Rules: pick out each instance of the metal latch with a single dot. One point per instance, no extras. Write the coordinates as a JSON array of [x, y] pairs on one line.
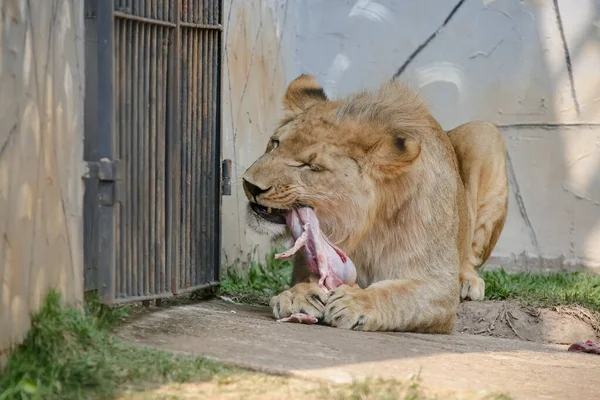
[[107, 173], [103, 170], [226, 177]]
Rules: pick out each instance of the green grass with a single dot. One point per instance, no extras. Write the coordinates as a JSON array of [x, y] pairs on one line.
[[70, 354], [544, 290], [259, 282], [380, 389]]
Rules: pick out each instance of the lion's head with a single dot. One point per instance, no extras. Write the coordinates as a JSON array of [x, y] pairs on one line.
[[355, 161]]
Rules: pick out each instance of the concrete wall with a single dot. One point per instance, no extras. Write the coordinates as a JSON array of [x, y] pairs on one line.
[[258, 64], [41, 153], [532, 67]]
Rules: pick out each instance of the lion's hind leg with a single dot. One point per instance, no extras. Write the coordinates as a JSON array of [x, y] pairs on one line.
[[481, 154]]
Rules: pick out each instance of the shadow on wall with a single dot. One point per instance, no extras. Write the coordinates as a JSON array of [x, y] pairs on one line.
[[582, 143]]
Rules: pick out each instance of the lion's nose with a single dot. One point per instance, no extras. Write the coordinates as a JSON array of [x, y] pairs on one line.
[[254, 190]]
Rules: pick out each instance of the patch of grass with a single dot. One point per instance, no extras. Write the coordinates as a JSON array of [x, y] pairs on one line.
[[381, 389], [578, 288], [260, 282], [264, 387], [70, 354]]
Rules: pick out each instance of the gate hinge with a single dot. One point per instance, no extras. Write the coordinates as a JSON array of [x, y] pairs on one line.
[[103, 170], [108, 174], [226, 177]]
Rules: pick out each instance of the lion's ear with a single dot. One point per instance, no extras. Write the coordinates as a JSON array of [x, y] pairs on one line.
[[396, 155], [302, 93]]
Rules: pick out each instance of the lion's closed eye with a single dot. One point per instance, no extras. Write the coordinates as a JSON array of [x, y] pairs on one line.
[[272, 145], [313, 167]]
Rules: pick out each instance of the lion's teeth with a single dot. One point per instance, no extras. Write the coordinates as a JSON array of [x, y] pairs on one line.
[[269, 210]]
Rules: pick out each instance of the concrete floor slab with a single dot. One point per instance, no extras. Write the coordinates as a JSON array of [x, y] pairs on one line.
[[461, 363]]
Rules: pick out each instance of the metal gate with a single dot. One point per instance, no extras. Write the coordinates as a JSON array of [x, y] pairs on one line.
[[152, 147]]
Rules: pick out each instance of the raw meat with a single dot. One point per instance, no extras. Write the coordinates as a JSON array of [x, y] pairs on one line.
[[299, 318], [587, 347], [324, 259]]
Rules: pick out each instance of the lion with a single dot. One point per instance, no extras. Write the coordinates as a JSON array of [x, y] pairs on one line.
[[417, 209]]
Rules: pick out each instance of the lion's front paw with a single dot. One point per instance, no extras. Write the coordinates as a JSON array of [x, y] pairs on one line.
[[306, 298], [350, 308], [472, 287]]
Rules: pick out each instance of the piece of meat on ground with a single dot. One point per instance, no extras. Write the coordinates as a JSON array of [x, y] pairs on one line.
[[587, 347], [299, 318]]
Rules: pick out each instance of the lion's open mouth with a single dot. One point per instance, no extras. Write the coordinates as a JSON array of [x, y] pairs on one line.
[[274, 215]]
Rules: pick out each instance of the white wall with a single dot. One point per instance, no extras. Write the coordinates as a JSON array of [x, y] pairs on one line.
[[504, 61]]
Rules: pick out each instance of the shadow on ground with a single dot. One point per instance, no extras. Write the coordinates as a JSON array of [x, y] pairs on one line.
[[248, 336]]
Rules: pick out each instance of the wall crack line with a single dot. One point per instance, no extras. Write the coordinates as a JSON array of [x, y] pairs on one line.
[[428, 40], [512, 178], [567, 56]]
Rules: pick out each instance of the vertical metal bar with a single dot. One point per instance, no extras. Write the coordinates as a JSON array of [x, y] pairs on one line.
[[161, 275], [185, 93], [218, 145], [174, 189], [217, 14], [140, 187], [198, 7], [90, 199], [198, 73], [202, 145], [124, 262], [182, 172], [131, 182], [211, 162], [203, 166], [193, 123], [155, 48], [142, 204], [118, 110], [106, 217], [137, 159]]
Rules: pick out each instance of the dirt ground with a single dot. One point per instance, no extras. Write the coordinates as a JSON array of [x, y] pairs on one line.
[[498, 347], [504, 319]]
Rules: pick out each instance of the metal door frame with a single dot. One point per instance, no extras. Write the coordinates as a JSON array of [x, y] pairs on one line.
[[104, 177]]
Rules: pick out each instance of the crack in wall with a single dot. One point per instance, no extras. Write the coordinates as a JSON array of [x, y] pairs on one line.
[[428, 40], [567, 55], [512, 178]]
